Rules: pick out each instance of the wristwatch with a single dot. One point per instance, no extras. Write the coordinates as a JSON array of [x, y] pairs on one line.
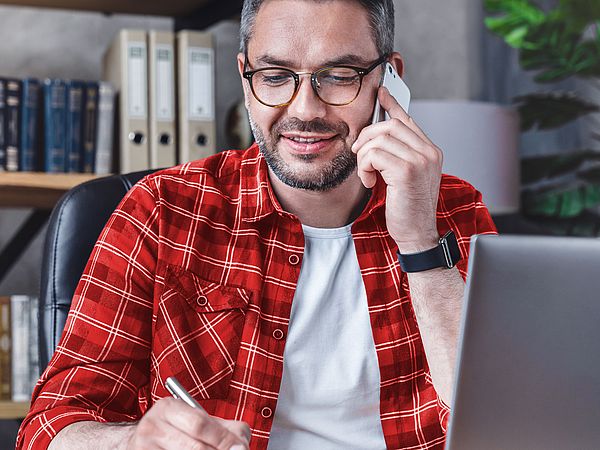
[[446, 255]]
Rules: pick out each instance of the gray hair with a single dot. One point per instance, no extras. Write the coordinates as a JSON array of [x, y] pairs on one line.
[[381, 19]]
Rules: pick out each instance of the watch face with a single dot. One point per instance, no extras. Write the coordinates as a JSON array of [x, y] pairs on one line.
[[450, 248]]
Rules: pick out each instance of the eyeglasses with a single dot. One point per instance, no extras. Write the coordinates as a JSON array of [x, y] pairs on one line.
[[336, 85]]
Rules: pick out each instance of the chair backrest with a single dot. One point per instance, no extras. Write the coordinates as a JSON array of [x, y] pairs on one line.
[[74, 226]]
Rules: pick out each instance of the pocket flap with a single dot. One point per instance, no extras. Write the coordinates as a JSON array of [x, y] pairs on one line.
[[203, 295]]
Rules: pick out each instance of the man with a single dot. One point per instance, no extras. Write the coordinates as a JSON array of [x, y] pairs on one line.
[[267, 281]]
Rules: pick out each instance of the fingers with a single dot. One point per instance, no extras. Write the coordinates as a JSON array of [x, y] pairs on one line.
[[400, 125], [203, 427], [237, 427], [393, 127], [165, 437], [395, 161], [378, 159], [171, 420], [389, 103]]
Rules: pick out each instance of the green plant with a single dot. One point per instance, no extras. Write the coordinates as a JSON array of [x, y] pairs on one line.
[[555, 43]]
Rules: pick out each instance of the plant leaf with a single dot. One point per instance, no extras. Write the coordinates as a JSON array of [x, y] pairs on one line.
[[584, 11], [555, 167], [553, 42], [516, 37], [515, 19], [551, 110]]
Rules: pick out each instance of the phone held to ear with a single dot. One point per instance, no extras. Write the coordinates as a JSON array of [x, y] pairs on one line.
[[399, 90]]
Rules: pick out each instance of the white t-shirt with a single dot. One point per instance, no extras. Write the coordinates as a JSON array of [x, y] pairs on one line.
[[329, 396]]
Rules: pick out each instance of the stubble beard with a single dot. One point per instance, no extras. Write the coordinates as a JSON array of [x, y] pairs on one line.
[[324, 178]]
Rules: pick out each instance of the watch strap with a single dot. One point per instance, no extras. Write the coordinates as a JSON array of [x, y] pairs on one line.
[[445, 254]]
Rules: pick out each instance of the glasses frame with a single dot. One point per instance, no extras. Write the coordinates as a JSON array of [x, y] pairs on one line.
[[361, 71]]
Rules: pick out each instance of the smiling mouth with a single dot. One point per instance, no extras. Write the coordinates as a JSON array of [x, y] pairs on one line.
[[307, 140], [308, 145]]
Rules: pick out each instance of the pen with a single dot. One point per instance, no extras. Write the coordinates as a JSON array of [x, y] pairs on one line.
[[178, 391]]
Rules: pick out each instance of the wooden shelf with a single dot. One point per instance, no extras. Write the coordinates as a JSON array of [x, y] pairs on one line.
[[149, 7], [37, 190], [13, 410]]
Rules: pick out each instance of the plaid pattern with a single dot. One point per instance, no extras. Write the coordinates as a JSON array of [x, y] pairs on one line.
[[194, 276]]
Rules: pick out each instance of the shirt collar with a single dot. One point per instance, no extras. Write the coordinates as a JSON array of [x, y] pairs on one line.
[[257, 196]]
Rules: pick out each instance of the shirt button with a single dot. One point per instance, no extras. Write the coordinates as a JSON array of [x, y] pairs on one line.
[[202, 301], [266, 412], [278, 334], [294, 259]]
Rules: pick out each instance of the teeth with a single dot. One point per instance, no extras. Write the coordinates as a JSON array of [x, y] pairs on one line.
[[305, 140]]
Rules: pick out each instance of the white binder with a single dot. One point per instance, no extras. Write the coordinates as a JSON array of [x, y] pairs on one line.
[[105, 129], [196, 95], [161, 81], [126, 68]]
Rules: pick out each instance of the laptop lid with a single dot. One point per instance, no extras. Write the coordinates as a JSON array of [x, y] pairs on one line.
[[528, 373]]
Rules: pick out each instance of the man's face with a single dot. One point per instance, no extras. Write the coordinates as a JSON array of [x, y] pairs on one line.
[[307, 143]]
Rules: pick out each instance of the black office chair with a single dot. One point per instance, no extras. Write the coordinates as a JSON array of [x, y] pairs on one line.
[[74, 227]]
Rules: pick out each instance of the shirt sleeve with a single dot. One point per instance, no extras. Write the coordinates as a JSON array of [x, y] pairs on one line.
[[468, 215], [100, 370], [464, 212]]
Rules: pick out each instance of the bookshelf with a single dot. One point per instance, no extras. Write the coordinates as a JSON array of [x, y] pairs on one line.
[[36, 190], [188, 14], [41, 191], [13, 410], [150, 7]]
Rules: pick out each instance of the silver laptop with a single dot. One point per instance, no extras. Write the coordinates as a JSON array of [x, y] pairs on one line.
[[529, 362]]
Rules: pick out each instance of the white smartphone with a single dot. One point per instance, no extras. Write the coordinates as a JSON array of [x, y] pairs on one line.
[[399, 90]]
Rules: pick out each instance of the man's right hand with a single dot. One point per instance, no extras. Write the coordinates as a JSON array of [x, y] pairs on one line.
[[171, 424]]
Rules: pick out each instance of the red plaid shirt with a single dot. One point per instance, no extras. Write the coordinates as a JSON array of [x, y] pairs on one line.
[[194, 276]]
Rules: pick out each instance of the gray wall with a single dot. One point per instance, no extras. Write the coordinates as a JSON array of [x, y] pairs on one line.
[[440, 42], [438, 39]]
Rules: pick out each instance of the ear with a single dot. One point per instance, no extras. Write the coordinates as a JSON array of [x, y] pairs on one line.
[[398, 63], [245, 85]]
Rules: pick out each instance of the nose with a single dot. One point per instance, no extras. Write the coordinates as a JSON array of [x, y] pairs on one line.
[[306, 105]]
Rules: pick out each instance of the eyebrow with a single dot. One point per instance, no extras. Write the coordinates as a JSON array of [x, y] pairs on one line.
[[347, 59]]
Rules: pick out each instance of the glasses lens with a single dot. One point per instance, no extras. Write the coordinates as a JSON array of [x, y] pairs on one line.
[[337, 85], [273, 86]]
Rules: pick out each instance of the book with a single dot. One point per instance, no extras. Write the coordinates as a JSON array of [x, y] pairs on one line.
[[2, 140], [90, 124], [74, 125], [55, 117], [23, 346], [12, 114], [29, 148], [33, 344], [105, 125], [5, 355], [19, 315]]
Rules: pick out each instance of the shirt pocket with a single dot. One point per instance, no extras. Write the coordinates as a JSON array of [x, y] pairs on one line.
[[198, 332]]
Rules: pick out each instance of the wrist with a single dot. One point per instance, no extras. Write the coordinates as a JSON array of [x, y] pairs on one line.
[[444, 253], [419, 244]]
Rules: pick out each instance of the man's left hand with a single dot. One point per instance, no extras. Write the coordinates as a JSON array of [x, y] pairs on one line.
[[411, 166]]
